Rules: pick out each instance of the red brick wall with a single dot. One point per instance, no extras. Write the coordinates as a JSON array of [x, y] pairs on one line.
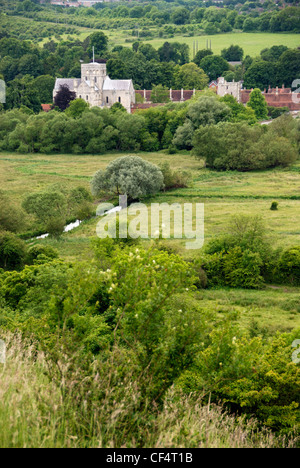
[[281, 98], [176, 94]]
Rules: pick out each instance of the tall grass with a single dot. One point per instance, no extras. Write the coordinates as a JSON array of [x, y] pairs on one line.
[[104, 411]]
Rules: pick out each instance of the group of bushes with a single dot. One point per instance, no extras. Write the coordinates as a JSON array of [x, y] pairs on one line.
[[218, 130], [119, 353], [55, 206], [233, 146], [95, 132], [14, 253], [209, 19], [243, 258], [41, 212], [137, 178]]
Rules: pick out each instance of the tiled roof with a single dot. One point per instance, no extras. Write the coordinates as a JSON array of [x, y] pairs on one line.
[[116, 85], [282, 97], [65, 82], [46, 107]]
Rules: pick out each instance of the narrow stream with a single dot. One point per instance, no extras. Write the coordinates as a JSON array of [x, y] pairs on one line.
[[75, 224]]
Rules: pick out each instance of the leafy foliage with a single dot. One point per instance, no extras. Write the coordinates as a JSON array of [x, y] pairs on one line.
[[128, 175], [228, 146]]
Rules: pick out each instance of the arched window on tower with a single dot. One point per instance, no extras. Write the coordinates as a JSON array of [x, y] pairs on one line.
[[119, 99]]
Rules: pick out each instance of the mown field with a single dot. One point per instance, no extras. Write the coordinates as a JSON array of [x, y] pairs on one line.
[[252, 43], [224, 195]]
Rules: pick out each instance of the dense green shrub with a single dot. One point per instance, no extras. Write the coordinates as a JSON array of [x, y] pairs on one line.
[[46, 205], [274, 206], [12, 251], [201, 281], [229, 146], [242, 269], [11, 217], [289, 266], [174, 179], [128, 175], [248, 376], [240, 258], [85, 211], [275, 112], [55, 226], [37, 253], [236, 268]]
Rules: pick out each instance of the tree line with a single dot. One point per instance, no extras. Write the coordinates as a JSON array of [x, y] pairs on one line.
[[220, 130], [29, 70], [202, 16]]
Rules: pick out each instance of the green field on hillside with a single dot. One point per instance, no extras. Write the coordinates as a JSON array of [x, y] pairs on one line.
[[252, 43]]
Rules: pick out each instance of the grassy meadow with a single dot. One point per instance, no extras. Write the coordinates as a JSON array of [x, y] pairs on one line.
[[224, 195], [252, 43]]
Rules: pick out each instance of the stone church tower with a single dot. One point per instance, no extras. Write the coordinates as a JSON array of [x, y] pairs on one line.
[[92, 79], [97, 89]]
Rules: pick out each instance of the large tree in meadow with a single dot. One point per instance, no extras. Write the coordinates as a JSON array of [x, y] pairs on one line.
[[128, 175]]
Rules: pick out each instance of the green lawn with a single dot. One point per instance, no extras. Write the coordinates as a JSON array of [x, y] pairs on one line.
[[252, 43]]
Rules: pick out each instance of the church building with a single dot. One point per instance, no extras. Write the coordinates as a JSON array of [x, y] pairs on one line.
[[96, 88]]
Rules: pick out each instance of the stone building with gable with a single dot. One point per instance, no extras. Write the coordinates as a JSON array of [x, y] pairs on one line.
[[97, 89]]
